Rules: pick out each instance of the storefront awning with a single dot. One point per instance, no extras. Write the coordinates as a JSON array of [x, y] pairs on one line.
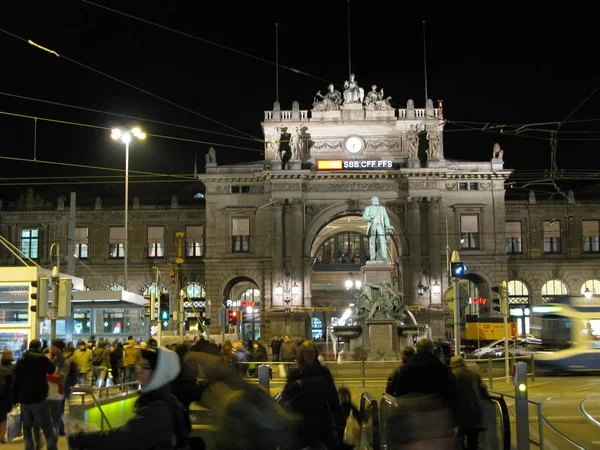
[[113, 298]]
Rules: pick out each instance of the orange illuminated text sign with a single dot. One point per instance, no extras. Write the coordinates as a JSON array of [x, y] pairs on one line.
[[328, 164], [478, 301]]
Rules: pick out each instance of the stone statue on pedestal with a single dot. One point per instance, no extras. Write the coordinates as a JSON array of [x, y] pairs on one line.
[[378, 230], [379, 301], [497, 152], [374, 100], [211, 157], [353, 93], [433, 136], [412, 142], [331, 101]]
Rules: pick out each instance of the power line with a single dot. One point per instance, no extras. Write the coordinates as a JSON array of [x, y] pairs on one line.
[[123, 82]]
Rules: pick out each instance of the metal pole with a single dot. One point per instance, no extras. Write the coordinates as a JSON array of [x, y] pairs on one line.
[[126, 249], [156, 306], [521, 406], [504, 309], [71, 235], [55, 276], [456, 318]]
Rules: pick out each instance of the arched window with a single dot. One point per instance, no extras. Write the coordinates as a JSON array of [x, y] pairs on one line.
[[343, 251], [518, 294], [151, 287], [552, 289], [592, 286], [251, 294]]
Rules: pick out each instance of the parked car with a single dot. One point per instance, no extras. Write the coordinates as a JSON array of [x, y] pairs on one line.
[[522, 347], [493, 350]]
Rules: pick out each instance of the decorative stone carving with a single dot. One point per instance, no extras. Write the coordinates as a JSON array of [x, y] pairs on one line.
[[531, 198], [98, 204], [353, 93], [434, 202], [286, 187], [328, 187], [136, 202], [328, 145], [297, 144], [331, 101], [486, 185], [388, 144], [414, 203], [374, 100], [396, 207], [277, 203], [174, 203], [412, 142], [272, 147], [497, 152], [423, 184], [296, 203], [451, 186], [352, 205], [379, 302], [312, 210]]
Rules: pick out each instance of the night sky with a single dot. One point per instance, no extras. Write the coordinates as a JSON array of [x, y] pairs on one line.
[[500, 63]]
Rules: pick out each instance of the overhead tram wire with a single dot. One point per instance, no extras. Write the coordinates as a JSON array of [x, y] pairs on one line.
[[52, 52], [65, 122], [139, 119], [206, 41]]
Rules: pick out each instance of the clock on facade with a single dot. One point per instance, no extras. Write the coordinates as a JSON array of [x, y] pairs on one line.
[[354, 144]]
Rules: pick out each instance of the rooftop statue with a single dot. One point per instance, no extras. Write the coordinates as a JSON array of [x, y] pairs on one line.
[[374, 100], [412, 142], [331, 101], [497, 152], [353, 93]]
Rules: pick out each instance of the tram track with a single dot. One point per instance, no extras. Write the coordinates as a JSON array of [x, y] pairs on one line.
[[555, 414]]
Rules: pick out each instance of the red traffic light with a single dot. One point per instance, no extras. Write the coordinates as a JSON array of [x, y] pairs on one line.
[[233, 313]]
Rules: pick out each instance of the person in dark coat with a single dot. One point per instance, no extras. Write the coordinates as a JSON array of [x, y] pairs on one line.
[[470, 407], [159, 415], [257, 354], [184, 387], [310, 391], [30, 389], [6, 397]]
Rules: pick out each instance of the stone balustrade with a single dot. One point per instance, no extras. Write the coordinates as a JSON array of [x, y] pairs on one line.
[[301, 115]]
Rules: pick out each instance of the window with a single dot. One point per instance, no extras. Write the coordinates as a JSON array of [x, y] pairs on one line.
[[340, 251], [240, 234], [81, 242], [30, 242], [116, 243], [552, 289], [469, 231], [514, 237], [194, 242], [156, 242], [462, 186], [592, 286], [240, 189], [518, 294], [591, 236], [551, 236]]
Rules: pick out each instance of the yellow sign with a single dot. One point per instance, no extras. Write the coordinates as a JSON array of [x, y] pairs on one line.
[[326, 164]]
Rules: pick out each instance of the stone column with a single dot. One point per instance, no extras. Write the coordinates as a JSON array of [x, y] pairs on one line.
[[296, 239], [414, 241], [435, 234], [276, 247]]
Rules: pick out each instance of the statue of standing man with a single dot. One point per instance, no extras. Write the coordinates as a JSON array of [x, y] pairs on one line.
[[378, 230]]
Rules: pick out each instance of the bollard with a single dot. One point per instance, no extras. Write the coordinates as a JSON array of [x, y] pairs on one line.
[[490, 374], [263, 376], [521, 406]]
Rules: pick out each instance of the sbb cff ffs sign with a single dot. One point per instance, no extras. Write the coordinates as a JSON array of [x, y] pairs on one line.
[[340, 164]]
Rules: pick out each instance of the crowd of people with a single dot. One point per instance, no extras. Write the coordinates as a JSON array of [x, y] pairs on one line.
[[440, 404]]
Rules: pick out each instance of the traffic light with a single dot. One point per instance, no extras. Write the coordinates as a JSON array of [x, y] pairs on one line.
[[151, 305], [500, 304], [164, 307], [233, 316], [458, 269], [41, 286]]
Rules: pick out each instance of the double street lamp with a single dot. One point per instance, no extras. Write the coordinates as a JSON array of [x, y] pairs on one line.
[[126, 136], [287, 289]]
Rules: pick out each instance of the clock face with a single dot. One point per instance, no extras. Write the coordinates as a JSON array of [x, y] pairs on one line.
[[354, 144]]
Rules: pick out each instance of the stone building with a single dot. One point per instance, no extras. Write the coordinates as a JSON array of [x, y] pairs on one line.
[[278, 238]]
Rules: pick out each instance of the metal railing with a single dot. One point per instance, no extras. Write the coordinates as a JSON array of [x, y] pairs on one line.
[[489, 363], [369, 415], [84, 390]]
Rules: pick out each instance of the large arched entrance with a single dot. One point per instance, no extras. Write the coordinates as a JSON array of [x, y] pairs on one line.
[[243, 307], [474, 300]]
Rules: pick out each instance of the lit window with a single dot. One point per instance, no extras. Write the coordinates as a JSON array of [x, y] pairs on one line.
[[30, 242], [240, 234], [551, 236], [469, 231], [116, 245], [194, 241], [591, 236], [514, 237], [81, 242], [156, 242], [552, 289]]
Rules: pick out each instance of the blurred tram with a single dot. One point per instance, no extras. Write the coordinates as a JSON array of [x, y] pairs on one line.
[[569, 330]]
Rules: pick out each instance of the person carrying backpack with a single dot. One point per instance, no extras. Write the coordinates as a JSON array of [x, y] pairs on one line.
[[160, 421]]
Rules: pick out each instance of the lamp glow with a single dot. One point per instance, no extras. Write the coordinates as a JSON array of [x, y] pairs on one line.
[[295, 290], [279, 290], [358, 284], [249, 310], [348, 283], [587, 293], [436, 289]]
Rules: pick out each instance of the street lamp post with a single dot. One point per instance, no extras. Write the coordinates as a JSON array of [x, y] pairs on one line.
[[125, 136]]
